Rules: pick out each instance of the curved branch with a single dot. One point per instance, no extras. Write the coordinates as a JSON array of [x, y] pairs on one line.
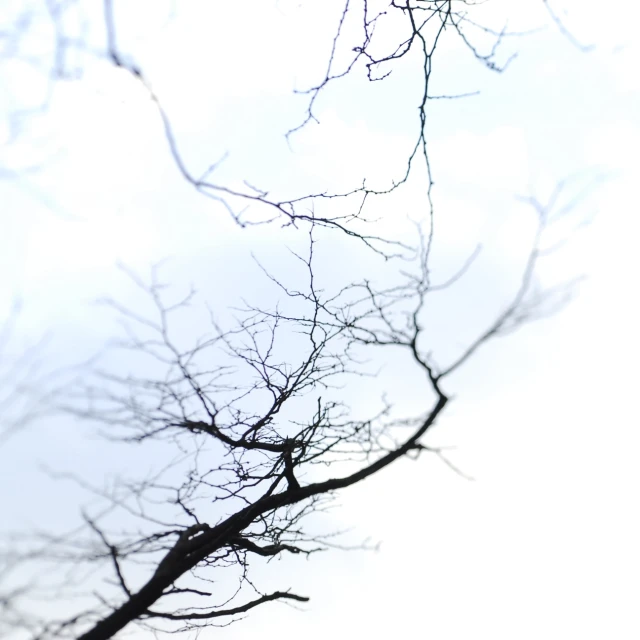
[[276, 595]]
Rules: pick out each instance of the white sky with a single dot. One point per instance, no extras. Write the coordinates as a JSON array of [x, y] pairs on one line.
[[543, 543]]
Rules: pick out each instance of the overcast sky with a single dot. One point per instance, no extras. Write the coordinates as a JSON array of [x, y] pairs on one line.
[[543, 541]]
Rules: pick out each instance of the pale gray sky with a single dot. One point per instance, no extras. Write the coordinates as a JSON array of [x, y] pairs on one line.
[[543, 543]]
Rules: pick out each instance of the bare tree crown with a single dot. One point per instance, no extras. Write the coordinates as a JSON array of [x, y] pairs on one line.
[[257, 414]]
